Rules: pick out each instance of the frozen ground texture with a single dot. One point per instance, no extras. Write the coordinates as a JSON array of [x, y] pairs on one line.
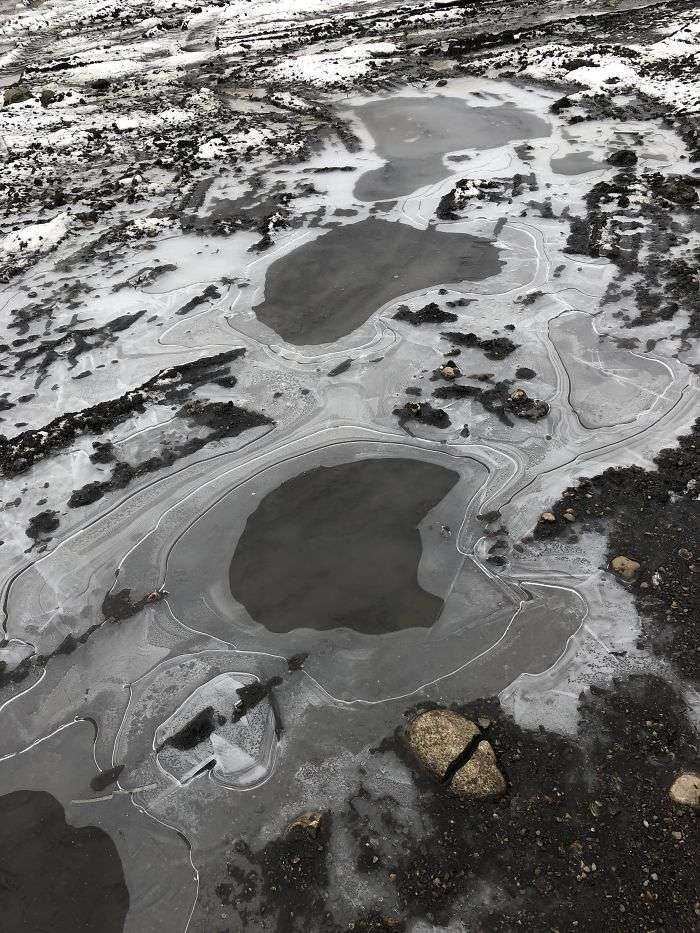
[[205, 244]]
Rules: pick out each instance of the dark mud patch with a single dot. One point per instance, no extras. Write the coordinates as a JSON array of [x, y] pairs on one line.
[[423, 413], [643, 223], [651, 517], [41, 525], [18, 453], [429, 314], [211, 292], [224, 419], [356, 268], [339, 547], [340, 368], [494, 348], [500, 400], [197, 730], [414, 133], [250, 695], [53, 876]]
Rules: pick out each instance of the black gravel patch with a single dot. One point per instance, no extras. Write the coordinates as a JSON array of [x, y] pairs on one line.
[[494, 348], [652, 517], [430, 314]]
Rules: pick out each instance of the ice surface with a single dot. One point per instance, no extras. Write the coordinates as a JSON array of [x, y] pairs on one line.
[[500, 621]]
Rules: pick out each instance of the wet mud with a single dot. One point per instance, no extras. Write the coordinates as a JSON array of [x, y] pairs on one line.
[[357, 268], [340, 547]]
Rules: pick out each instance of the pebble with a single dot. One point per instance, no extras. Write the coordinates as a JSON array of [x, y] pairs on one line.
[[685, 790], [625, 567]]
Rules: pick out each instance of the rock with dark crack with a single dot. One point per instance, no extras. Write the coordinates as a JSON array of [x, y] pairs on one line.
[[480, 776], [438, 737], [451, 747]]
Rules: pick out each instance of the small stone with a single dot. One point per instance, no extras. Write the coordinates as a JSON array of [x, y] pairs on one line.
[[480, 776], [548, 517], [686, 790], [570, 515], [449, 371], [309, 822], [625, 567], [685, 553]]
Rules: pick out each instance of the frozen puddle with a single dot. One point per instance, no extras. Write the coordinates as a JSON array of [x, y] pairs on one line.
[[413, 134], [242, 622]]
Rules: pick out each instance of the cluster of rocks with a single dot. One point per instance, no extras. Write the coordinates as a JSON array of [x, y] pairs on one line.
[[471, 189]]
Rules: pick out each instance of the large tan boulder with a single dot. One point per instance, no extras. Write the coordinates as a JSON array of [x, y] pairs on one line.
[[686, 790], [438, 736]]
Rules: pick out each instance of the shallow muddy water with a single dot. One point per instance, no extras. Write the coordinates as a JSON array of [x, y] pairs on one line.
[[339, 548], [575, 163], [327, 288]]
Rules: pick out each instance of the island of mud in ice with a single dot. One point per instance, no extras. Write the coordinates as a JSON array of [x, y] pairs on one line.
[[339, 547], [328, 287]]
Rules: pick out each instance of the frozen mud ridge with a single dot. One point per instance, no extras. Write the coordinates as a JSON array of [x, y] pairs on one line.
[[308, 312]]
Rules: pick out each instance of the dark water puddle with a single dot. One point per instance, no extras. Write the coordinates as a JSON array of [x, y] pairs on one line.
[[54, 876], [339, 547], [575, 163], [414, 133], [329, 287]]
